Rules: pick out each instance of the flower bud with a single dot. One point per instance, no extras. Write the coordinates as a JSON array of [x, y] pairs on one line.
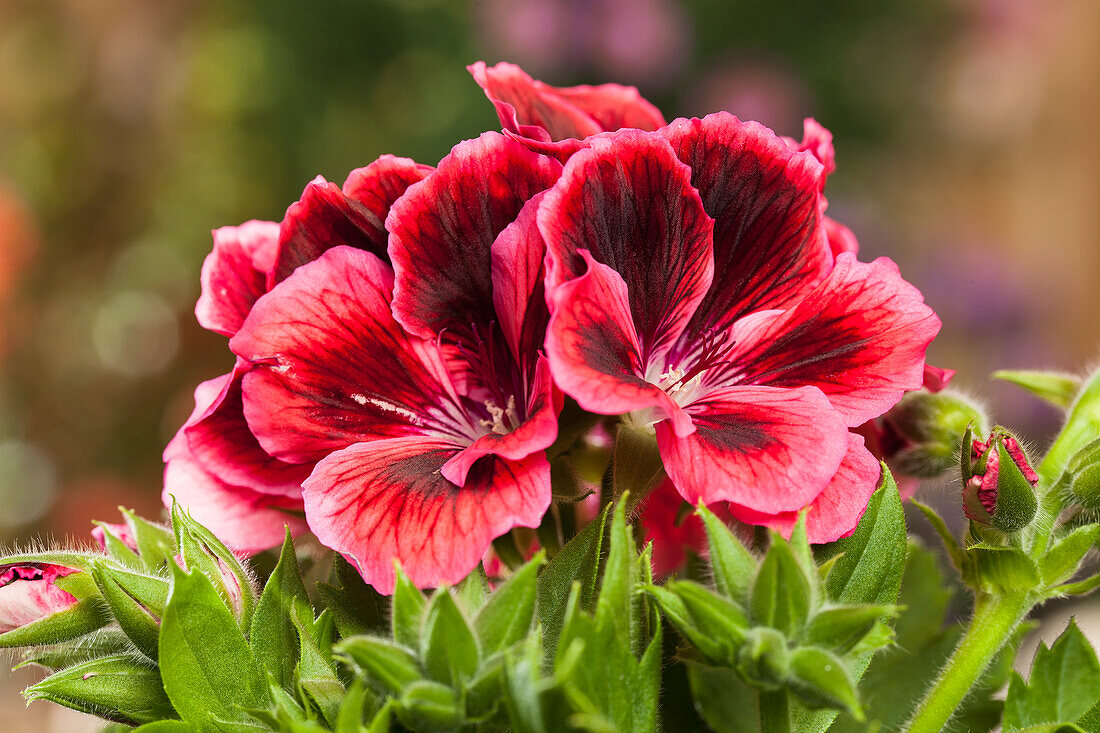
[[763, 660], [1081, 477], [106, 534], [37, 607], [998, 482], [927, 429]]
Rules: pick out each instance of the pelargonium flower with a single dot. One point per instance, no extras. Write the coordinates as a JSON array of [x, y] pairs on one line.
[[214, 465], [693, 289], [28, 592], [419, 392]]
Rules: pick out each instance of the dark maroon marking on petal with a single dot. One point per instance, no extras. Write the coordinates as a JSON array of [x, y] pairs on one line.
[[231, 281], [386, 500], [860, 336], [593, 348], [769, 247], [761, 447], [837, 510], [442, 232], [330, 366], [327, 216], [221, 443], [628, 201]]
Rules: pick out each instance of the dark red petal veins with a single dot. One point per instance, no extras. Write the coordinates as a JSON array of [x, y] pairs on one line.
[[859, 336], [769, 247], [442, 232], [764, 448], [628, 201], [386, 500], [330, 366], [327, 216], [231, 281]]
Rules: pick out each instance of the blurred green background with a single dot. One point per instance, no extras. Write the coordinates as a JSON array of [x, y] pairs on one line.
[[129, 130]]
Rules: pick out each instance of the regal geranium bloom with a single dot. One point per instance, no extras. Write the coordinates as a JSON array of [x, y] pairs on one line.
[[419, 391], [693, 289], [214, 465], [28, 592], [555, 119]]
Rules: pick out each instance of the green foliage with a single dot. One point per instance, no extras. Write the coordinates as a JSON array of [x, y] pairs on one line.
[[1057, 388], [118, 688], [1063, 688]]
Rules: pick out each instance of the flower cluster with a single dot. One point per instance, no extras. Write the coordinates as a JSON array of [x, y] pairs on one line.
[[404, 343]]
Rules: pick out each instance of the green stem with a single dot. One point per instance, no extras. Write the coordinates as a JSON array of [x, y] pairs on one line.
[[1081, 426], [775, 712], [994, 619]]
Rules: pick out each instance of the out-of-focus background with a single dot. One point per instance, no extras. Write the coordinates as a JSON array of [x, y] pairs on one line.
[[129, 129]]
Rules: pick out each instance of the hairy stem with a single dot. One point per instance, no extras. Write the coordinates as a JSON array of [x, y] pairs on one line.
[[775, 712]]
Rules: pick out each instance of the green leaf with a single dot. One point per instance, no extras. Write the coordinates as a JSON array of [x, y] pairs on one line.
[[820, 680], [209, 670], [473, 591], [1062, 560], [117, 688], [636, 466], [166, 726], [389, 666], [140, 626], [1057, 388], [1064, 683], [103, 643], [841, 628], [715, 634], [954, 550], [723, 700], [578, 560], [407, 610], [1081, 427], [350, 717], [506, 618], [1080, 588], [356, 607], [315, 674], [273, 638], [870, 568], [448, 646], [429, 706], [204, 552], [733, 565], [1003, 569], [782, 595]]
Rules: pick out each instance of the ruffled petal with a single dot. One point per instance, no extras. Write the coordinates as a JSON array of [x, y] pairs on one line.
[[841, 238], [594, 351], [328, 216], [442, 232], [386, 500], [818, 141], [528, 110], [628, 201], [837, 510], [519, 294], [612, 106], [331, 367], [765, 448], [769, 247], [231, 279], [859, 336]]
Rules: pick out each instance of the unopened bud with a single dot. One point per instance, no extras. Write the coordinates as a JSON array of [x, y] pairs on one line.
[[998, 482], [928, 429], [763, 660], [46, 603], [1081, 476]]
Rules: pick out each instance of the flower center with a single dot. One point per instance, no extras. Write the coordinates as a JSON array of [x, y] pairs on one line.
[[501, 420]]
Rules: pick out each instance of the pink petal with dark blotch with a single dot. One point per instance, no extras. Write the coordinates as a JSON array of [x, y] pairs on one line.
[[386, 501], [329, 216], [837, 510], [442, 231], [859, 336], [769, 246], [766, 448], [330, 365], [231, 280], [628, 201]]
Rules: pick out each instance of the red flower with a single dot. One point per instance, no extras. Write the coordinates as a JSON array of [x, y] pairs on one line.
[[28, 593], [692, 287], [214, 465], [418, 391]]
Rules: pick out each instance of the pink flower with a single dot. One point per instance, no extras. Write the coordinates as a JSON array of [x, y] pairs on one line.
[[121, 531], [28, 593], [693, 288], [998, 483], [214, 466], [419, 391]]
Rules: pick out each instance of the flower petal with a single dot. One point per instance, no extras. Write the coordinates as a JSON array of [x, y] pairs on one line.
[[330, 366], [530, 108], [442, 232], [328, 216], [519, 294], [593, 347], [628, 201], [612, 106], [765, 448], [837, 510], [769, 246], [231, 280], [859, 336], [385, 500]]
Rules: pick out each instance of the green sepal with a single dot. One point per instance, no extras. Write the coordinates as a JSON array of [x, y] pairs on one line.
[[273, 637], [448, 647], [64, 558], [506, 618], [1061, 561], [473, 592], [716, 636], [151, 591], [819, 679], [1063, 685], [155, 542], [733, 565], [83, 617], [1016, 501], [166, 726], [1080, 588], [116, 548], [636, 466], [954, 549], [133, 618], [316, 677], [382, 720], [356, 607], [105, 642], [407, 610], [212, 671], [427, 705], [388, 666], [842, 628], [117, 688], [999, 569], [349, 719], [1081, 477], [1057, 388], [724, 700], [782, 594], [763, 660]]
